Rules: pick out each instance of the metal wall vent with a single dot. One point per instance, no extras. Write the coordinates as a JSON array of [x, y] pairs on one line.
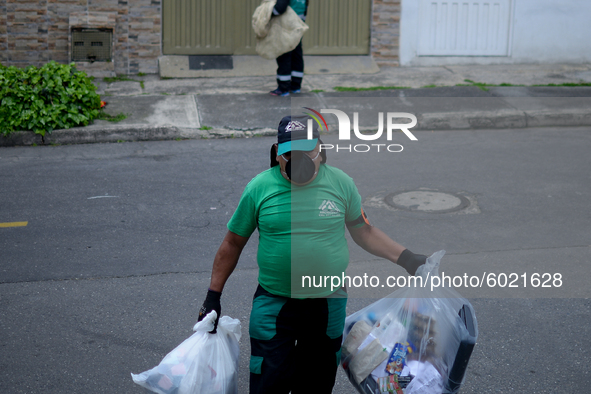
[[92, 45]]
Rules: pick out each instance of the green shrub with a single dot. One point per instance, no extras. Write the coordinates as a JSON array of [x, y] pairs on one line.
[[55, 96]]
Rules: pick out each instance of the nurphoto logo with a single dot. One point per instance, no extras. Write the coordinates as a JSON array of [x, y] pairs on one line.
[[345, 129]]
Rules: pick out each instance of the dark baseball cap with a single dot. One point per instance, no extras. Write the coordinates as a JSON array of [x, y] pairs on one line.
[[292, 134]]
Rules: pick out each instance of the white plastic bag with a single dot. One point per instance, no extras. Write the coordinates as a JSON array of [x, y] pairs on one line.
[[421, 340], [204, 363]]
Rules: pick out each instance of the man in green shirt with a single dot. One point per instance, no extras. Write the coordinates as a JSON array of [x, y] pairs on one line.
[[301, 207]]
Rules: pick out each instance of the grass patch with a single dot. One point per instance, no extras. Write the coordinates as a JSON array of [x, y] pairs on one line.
[[205, 128], [141, 74], [480, 85], [165, 78], [122, 78], [118, 78], [317, 91], [352, 89], [569, 84], [485, 86], [110, 118]]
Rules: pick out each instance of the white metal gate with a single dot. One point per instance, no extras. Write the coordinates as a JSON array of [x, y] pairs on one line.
[[464, 28]]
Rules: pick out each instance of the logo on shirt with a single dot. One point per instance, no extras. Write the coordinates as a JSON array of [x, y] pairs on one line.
[[328, 208]]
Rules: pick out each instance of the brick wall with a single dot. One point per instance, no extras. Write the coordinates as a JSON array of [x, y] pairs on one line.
[[385, 32], [144, 28], [37, 31], [26, 26], [3, 35]]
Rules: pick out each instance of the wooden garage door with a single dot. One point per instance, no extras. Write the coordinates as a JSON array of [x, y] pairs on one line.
[[223, 27], [338, 27]]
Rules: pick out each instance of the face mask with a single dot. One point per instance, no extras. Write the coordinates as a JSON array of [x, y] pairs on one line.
[[300, 168]]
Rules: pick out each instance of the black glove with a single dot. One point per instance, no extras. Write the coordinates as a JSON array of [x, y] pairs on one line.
[[211, 303], [410, 261]]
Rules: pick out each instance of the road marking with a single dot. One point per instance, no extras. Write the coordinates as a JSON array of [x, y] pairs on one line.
[[14, 224], [92, 198]]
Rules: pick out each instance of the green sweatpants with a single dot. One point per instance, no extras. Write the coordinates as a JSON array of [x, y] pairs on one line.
[[295, 343]]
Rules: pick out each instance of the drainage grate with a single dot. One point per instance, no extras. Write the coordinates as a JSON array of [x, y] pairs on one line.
[[92, 45], [213, 62]]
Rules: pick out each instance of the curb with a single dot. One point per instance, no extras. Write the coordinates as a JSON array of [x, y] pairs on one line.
[[124, 133], [472, 120], [502, 119]]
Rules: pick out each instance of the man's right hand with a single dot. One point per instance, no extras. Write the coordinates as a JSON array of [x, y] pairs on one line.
[[211, 303]]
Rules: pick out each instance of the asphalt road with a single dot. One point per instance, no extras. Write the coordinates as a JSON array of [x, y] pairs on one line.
[[113, 264]]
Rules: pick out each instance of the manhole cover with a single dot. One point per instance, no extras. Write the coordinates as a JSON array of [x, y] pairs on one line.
[[427, 201]]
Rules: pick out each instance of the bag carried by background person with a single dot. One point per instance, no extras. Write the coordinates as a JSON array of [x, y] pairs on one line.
[[278, 35]]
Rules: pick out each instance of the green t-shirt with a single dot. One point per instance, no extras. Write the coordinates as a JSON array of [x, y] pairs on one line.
[[301, 229]]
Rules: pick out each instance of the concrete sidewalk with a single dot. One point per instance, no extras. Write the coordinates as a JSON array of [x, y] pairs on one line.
[[234, 107]]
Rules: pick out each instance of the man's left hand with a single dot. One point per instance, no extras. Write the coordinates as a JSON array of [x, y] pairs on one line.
[[410, 261]]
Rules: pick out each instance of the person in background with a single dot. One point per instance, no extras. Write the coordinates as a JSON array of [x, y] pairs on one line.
[[290, 65]]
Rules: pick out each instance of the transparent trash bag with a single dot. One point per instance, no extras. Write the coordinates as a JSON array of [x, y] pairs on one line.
[[415, 341], [204, 363]]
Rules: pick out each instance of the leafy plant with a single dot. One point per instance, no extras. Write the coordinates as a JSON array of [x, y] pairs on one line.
[[55, 96]]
